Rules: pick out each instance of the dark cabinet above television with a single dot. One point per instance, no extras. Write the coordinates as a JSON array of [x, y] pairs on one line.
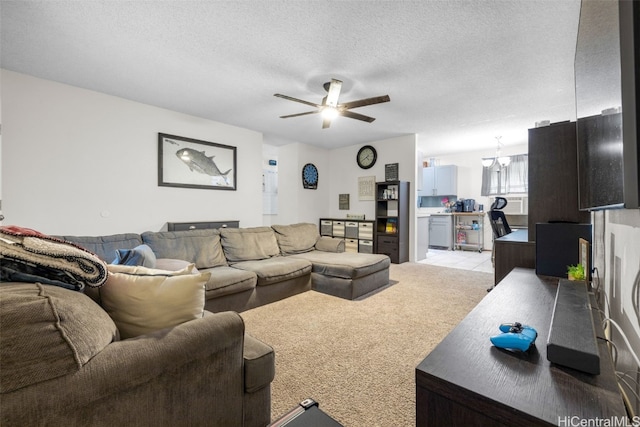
[[600, 179], [607, 63], [553, 178]]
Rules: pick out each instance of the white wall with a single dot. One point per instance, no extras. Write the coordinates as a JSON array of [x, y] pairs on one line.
[[616, 255], [345, 172], [295, 203], [80, 162], [338, 174]]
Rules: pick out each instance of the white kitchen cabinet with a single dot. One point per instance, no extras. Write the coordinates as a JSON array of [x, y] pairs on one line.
[[441, 231], [440, 181], [423, 237]]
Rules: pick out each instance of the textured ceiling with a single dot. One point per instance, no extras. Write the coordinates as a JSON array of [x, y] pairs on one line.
[[459, 73]]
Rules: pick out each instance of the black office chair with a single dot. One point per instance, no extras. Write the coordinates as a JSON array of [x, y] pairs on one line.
[[498, 221], [499, 225]]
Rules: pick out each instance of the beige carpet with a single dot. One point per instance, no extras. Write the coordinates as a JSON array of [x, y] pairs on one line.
[[358, 358]]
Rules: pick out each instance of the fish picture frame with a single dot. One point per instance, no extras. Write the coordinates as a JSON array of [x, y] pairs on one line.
[[192, 163]]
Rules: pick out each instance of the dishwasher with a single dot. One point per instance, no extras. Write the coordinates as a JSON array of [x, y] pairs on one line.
[[441, 231]]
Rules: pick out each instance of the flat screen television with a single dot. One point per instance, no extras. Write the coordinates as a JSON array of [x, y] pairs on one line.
[[606, 104]]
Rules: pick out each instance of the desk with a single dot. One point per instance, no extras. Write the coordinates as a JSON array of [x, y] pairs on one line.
[[513, 250], [465, 381]]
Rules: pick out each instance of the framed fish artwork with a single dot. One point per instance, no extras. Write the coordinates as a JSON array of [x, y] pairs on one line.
[[191, 163]]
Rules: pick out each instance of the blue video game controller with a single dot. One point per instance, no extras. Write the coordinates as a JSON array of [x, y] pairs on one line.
[[515, 336]]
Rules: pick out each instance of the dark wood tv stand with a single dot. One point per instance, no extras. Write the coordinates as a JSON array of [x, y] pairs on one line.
[[467, 381]]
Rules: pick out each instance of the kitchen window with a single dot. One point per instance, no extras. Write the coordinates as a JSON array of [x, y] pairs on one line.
[[514, 178]]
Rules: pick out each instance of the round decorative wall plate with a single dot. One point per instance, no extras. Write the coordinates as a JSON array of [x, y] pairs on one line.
[[310, 176]]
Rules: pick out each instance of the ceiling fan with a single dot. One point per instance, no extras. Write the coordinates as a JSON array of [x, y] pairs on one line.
[[329, 108]]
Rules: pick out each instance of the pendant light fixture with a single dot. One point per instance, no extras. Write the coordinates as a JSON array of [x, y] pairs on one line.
[[503, 161]]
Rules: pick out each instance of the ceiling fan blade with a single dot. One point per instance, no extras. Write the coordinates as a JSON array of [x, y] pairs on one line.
[[326, 123], [367, 101], [333, 93], [299, 114], [356, 116], [296, 100]]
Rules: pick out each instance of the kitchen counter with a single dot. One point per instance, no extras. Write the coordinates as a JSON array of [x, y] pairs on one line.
[[422, 211]]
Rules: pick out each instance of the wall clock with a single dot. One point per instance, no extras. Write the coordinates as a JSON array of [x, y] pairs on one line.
[[310, 176], [367, 157]]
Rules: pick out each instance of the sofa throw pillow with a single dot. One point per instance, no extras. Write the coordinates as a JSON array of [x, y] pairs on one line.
[[330, 244], [48, 332], [172, 264], [140, 255], [296, 238], [201, 247], [141, 270], [249, 244], [139, 304]]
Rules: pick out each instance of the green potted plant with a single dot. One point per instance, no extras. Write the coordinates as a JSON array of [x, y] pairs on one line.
[[575, 272]]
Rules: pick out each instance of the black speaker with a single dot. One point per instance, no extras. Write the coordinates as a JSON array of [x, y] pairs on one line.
[[557, 246], [572, 339]]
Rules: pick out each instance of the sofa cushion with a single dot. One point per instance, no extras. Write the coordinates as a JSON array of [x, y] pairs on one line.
[[296, 238], [48, 332], [140, 303], [140, 255], [105, 246], [227, 280], [347, 265], [246, 244], [201, 247], [277, 269], [330, 244]]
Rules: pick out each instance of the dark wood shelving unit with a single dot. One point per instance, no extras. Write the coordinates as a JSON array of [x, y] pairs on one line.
[[553, 176], [553, 194], [392, 220], [199, 225]]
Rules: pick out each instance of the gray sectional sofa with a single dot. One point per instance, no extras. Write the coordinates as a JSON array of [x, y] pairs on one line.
[[63, 360], [254, 266]]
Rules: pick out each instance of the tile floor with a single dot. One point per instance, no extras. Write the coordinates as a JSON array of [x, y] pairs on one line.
[[465, 260]]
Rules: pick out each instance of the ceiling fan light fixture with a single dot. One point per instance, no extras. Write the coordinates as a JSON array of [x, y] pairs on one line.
[[329, 113], [330, 108]]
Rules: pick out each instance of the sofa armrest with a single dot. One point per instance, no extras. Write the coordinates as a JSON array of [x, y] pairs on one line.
[[193, 371], [259, 364]]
